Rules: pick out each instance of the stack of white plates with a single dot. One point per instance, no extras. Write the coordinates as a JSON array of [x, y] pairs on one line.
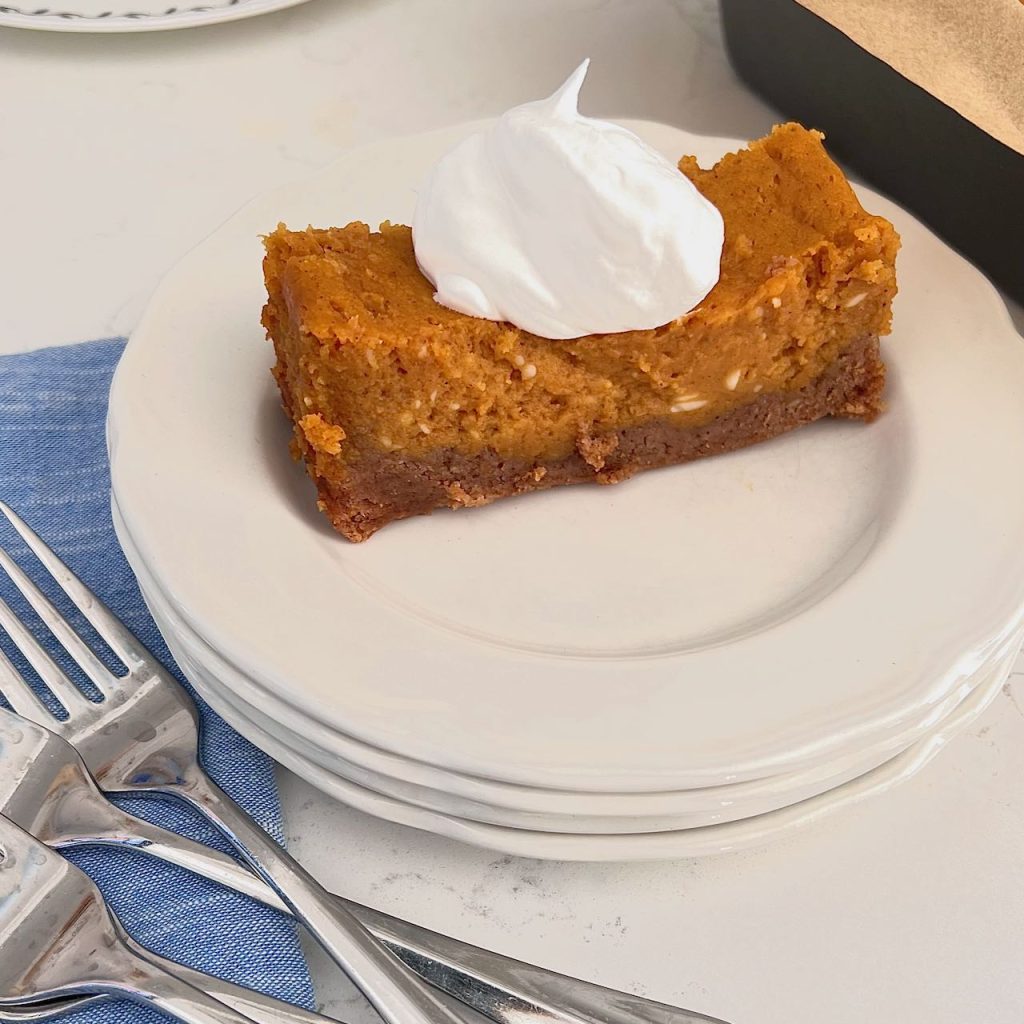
[[696, 660]]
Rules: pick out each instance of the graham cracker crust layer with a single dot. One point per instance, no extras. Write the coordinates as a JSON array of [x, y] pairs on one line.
[[382, 488]]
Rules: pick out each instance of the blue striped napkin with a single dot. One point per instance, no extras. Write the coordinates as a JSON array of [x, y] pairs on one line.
[[54, 472]]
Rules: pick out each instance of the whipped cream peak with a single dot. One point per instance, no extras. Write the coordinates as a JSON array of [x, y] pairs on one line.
[[565, 101], [565, 225]]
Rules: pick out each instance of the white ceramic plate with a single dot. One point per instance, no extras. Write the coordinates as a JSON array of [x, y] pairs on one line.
[[584, 812], [130, 15], [691, 842], [517, 806], [782, 606]]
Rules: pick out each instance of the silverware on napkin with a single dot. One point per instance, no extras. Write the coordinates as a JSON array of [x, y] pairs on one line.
[[397, 993], [59, 939], [142, 737]]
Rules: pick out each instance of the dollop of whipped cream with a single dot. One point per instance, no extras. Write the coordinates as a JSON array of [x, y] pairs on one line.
[[565, 225]]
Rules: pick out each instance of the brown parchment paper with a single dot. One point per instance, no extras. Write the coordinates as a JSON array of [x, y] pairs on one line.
[[967, 53]]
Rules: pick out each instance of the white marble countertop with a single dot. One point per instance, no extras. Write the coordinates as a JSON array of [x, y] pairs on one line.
[[118, 153]]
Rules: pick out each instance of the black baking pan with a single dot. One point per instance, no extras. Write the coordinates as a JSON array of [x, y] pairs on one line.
[[967, 186]]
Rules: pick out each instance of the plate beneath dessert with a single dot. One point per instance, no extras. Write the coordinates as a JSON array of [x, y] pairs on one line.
[[624, 844], [726, 620], [250, 708]]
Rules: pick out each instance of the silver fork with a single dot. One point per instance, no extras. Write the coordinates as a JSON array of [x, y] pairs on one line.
[[46, 791], [168, 765], [143, 737], [58, 939]]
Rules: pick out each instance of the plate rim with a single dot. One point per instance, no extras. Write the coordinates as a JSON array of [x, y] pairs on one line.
[[66, 20], [728, 837], [472, 790]]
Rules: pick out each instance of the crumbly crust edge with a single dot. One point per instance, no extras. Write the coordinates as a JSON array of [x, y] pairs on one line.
[[381, 488]]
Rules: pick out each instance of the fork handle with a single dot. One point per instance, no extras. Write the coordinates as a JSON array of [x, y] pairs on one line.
[[254, 1005], [152, 985], [498, 986], [398, 995]]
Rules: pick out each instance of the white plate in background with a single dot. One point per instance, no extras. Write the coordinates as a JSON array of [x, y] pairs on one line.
[[130, 15]]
